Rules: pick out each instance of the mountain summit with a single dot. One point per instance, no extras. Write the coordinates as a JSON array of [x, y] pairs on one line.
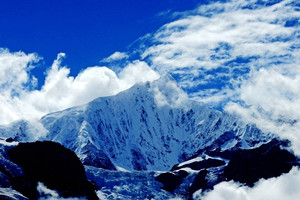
[[152, 127]]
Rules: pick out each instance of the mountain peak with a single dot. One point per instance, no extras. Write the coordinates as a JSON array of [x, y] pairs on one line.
[[167, 92], [164, 90], [150, 126]]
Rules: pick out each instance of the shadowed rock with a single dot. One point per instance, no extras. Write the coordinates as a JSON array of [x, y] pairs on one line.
[[52, 164], [96, 157], [267, 161], [171, 180], [200, 182]]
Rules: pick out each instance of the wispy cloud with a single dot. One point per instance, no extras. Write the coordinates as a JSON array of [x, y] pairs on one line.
[[238, 36], [243, 56], [115, 57], [240, 55]]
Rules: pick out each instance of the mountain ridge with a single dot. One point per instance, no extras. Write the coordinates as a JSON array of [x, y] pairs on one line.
[[151, 126], [153, 138]]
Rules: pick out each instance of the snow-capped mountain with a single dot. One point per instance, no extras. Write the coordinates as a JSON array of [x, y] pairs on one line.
[[151, 126], [153, 138]]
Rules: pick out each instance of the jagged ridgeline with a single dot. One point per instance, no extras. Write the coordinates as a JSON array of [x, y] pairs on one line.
[[124, 140]]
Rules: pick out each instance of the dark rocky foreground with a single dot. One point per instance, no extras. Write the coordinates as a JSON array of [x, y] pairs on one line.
[[267, 161], [245, 166], [23, 166]]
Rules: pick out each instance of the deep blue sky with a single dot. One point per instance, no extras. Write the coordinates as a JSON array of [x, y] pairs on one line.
[[86, 30], [218, 51], [209, 51]]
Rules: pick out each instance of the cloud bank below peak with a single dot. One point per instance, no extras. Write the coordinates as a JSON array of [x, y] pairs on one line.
[[283, 187]]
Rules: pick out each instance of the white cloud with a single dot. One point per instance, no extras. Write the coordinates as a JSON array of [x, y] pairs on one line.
[[246, 56], [115, 56], [240, 52], [137, 71], [168, 93], [283, 187], [60, 91], [14, 79], [14, 69], [43, 190], [272, 99], [48, 194], [237, 35], [102, 195]]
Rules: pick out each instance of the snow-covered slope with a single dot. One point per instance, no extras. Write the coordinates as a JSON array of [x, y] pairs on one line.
[[151, 126]]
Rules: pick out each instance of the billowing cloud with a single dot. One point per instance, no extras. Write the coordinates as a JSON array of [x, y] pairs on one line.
[[137, 71], [283, 187], [15, 79], [20, 101], [14, 70], [271, 100]]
